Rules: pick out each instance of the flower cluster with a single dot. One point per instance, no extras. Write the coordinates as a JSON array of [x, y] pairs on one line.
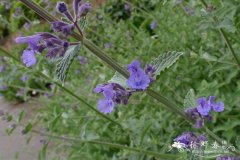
[[138, 80], [190, 140], [113, 93], [201, 113], [56, 47]]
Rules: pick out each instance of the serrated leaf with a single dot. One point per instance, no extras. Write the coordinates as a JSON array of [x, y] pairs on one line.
[[65, 62], [119, 79], [190, 99], [83, 23], [165, 61]]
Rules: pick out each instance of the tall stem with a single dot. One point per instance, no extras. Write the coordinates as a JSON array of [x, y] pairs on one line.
[[113, 145]]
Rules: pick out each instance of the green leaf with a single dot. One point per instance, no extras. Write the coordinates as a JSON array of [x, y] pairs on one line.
[[43, 152], [119, 79], [28, 128], [83, 23], [165, 61], [65, 62], [20, 116], [190, 99]]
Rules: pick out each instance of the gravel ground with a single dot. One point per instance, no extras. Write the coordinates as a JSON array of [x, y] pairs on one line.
[[14, 146]]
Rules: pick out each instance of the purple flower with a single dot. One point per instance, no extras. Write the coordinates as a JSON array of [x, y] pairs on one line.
[[76, 4], [153, 24], [201, 113], [138, 78], [195, 115], [63, 9], [107, 45], [113, 93], [65, 28], [127, 7], [84, 9], [24, 78], [150, 71], [7, 5], [37, 43], [27, 25], [217, 107], [203, 107], [3, 68], [3, 87], [18, 12], [33, 41], [228, 158], [82, 59], [28, 58], [190, 139], [106, 105]]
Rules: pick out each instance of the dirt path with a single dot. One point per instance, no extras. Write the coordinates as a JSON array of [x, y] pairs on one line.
[[15, 145]]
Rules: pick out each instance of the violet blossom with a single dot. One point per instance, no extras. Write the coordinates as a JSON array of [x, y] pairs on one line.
[[113, 93], [138, 79], [201, 113], [190, 140]]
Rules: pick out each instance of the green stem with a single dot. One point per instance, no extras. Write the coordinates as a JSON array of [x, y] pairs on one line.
[[225, 37], [113, 145], [65, 89]]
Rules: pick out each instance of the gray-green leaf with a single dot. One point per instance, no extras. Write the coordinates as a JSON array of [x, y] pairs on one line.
[[190, 99], [119, 79], [165, 61], [65, 62]]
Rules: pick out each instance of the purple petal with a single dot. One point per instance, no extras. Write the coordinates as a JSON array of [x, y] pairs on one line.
[[76, 4], [138, 78], [105, 105], [61, 7], [203, 107], [218, 107], [31, 40], [153, 25], [28, 58], [84, 9]]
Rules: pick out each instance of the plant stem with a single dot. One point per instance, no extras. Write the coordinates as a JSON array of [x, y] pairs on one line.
[[113, 145], [225, 37]]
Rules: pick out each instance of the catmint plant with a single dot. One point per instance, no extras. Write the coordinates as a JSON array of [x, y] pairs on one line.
[[201, 113]]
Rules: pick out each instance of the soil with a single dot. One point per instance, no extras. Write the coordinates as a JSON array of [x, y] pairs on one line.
[[15, 146]]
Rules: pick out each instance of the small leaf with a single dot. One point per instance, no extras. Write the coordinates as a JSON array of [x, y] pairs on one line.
[[165, 61], [20, 116], [65, 62], [83, 23], [27, 128], [190, 99], [119, 79], [43, 152]]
